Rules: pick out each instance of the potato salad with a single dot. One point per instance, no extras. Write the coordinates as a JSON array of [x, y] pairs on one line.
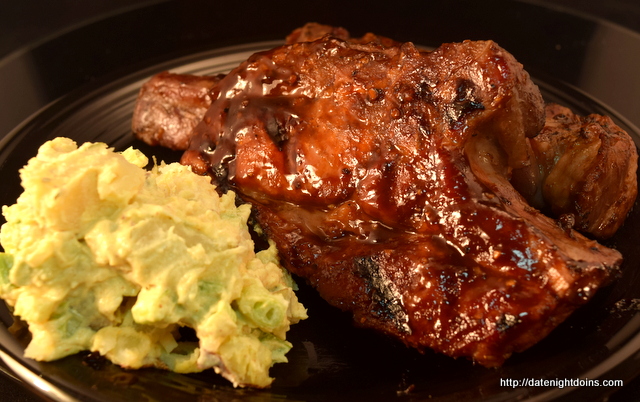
[[103, 255]]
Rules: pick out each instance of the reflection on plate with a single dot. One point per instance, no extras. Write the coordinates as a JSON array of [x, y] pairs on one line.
[[330, 359]]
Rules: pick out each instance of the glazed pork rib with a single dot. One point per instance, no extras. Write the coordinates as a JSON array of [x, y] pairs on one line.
[[383, 175], [587, 170], [169, 106], [583, 169]]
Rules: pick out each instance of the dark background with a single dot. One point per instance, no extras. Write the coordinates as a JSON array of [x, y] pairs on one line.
[[25, 24]]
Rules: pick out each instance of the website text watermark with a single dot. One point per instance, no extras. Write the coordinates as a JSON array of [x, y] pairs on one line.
[[559, 382]]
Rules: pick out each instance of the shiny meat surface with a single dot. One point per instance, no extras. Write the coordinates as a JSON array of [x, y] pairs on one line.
[[582, 170], [382, 173]]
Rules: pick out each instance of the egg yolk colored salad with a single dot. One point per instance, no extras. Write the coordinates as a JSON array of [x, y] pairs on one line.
[[103, 255]]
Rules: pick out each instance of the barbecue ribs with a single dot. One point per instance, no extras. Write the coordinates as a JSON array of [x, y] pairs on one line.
[[384, 175], [587, 170], [169, 106]]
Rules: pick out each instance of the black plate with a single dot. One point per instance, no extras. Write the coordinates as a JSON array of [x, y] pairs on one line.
[[86, 81]]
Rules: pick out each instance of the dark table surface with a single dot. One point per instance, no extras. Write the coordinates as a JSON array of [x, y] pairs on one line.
[[26, 23]]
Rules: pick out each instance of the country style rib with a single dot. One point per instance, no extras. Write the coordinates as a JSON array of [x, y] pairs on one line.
[[383, 175], [399, 182]]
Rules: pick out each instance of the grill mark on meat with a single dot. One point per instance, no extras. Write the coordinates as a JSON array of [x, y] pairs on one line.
[[386, 298], [464, 103], [507, 321], [276, 131]]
